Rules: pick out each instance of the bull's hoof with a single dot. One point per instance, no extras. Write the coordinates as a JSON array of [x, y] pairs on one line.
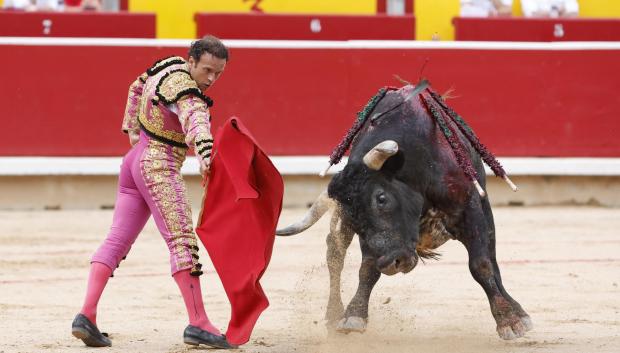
[[351, 324], [334, 312], [527, 322], [516, 329], [505, 332]]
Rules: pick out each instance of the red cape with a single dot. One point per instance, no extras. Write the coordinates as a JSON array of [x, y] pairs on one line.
[[238, 222]]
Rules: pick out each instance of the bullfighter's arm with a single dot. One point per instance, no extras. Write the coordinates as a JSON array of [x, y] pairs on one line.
[[130, 120], [194, 117]]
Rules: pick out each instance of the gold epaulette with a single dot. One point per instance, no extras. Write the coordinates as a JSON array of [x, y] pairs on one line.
[[143, 77], [164, 63], [176, 84]]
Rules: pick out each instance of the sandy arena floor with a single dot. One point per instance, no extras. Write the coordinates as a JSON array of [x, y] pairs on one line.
[[562, 264]]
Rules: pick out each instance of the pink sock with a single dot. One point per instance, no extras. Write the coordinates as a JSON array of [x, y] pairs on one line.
[[97, 279], [192, 296]]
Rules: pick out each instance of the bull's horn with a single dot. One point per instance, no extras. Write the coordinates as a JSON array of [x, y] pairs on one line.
[[318, 209], [375, 158]]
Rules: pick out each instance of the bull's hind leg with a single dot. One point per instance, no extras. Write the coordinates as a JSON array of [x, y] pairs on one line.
[[479, 239], [338, 240], [525, 318]]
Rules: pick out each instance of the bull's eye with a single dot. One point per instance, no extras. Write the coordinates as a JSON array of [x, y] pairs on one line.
[[381, 199]]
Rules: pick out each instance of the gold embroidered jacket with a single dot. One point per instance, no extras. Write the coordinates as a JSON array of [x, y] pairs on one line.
[[166, 103]]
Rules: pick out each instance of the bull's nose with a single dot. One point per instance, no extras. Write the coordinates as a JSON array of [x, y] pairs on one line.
[[400, 263]]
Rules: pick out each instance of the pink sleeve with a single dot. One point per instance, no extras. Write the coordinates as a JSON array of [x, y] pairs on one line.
[[195, 119], [130, 120]]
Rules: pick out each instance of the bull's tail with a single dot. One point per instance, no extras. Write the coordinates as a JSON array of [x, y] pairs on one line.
[[316, 211]]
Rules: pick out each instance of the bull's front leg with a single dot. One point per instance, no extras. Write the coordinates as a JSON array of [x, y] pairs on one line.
[[479, 239], [356, 317], [338, 240]]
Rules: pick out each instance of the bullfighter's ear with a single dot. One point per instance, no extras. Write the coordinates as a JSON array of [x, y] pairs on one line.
[[394, 163]]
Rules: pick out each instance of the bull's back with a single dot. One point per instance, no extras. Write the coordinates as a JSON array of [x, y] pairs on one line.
[[429, 164]]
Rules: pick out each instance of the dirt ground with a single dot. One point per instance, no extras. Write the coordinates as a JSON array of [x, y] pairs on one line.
[[561, 263]]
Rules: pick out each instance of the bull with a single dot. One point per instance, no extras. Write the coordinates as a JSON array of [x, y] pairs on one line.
[[413, 181]]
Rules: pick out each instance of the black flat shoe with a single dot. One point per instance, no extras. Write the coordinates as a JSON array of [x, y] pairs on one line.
[[196, 336], [83, 329]]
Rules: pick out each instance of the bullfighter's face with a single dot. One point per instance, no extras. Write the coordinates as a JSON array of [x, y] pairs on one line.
[[206, 70]]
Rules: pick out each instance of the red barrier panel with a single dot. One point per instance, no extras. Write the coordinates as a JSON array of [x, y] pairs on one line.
[[301, 101], [305, 27], [80, 24], [536, 29]]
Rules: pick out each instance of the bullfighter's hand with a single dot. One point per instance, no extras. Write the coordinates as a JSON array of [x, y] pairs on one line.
[[134, 137], [205, 166]]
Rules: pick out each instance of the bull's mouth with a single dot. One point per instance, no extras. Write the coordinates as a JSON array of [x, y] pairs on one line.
[[397, 264]]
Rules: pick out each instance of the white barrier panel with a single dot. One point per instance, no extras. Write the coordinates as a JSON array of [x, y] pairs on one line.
[[299, 165], [315, 44]]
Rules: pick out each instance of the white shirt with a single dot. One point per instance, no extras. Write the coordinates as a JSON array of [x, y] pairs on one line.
[[549, 7], [16, 4], [480, 8], [31, 5]]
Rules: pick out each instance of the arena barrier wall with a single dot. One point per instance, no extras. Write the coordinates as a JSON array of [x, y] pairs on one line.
[[305, 27], [536, 29], [66, 97], [77, 24]]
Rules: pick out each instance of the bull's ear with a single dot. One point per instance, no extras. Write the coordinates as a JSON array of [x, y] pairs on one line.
[[345, 185], [336, 187], [393, 164]]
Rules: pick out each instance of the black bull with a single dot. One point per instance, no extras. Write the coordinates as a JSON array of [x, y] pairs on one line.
[[404, 194]]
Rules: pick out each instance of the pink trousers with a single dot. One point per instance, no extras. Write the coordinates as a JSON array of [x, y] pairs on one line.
[[150, 183]]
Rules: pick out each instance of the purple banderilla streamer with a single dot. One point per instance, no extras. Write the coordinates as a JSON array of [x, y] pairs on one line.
[[362, 116], [459, 152], [343, 146], [486, 155]]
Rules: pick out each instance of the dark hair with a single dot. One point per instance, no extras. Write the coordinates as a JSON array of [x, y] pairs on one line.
[[208, 44]]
